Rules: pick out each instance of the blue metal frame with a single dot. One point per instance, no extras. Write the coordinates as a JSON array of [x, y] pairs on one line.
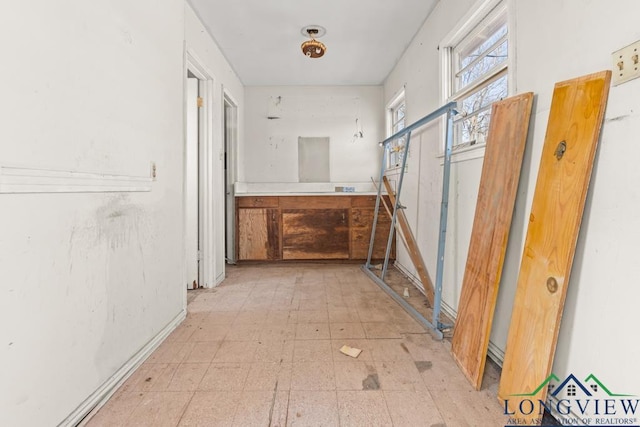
[[435, 325]]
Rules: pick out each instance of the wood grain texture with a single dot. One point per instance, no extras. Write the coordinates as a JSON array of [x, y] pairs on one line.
[[576, 115], [253, 234], [274, 238], [315, 234], [361, 224], [315, 202], [257, 202], [412, 246], [494, 210]]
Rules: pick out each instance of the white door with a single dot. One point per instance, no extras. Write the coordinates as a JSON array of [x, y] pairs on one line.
[[230, 132], [191, 181]]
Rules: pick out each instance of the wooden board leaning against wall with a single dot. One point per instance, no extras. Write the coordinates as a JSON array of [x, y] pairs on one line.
[[494, 210], [573, 131]]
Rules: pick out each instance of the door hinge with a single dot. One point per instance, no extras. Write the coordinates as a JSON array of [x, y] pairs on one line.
[[200, 102], [199, 255]]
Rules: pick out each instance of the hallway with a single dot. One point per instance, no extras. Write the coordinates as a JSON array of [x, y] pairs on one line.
[[263, 349]]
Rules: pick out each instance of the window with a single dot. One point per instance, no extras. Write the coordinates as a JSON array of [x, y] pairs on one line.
[[396, 122], [571, 390], [477, 72]]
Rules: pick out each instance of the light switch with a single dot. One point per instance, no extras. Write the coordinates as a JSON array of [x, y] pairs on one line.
[[625, 63]]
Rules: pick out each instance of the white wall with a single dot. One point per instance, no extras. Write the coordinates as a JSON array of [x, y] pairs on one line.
[[270, 151], [224, 81], [88, 279], [599, 325]]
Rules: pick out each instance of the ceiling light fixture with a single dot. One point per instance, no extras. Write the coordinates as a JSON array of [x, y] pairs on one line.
[[313, 48]]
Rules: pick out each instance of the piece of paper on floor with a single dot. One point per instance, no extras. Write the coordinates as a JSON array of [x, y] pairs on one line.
[[350, 351]]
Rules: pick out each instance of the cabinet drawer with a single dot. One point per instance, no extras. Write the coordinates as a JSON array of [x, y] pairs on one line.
[[363, 201], [315, 202], [257, 202], [367, 201]]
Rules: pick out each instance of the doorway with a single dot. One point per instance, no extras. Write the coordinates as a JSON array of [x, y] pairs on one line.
[[200, 187], [230, 143], [193, 227]]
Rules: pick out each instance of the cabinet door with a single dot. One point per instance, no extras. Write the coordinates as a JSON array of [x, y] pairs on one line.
[[258, 234], [361, 223], [315, 234]]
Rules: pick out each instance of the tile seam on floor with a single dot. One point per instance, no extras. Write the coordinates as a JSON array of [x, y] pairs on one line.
[[184, 411]]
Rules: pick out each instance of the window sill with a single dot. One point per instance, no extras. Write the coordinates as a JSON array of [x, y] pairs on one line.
[[464, 154]]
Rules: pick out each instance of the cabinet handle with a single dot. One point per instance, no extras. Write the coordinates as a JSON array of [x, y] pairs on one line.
[[343, 216]]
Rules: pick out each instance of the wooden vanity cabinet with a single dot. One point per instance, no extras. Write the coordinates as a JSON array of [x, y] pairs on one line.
[[309, 228]]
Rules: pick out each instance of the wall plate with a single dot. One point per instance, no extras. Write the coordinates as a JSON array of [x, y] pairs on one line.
[[625, 63]]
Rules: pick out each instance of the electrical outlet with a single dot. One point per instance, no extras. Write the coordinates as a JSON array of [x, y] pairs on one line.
[[625, 63]]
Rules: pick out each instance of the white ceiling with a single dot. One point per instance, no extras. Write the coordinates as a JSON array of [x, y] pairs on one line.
[[261, 38]]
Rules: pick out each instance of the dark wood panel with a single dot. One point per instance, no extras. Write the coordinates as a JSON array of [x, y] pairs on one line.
[[273, 234], [315, 202], [257, 202], [363, 201], [315, 233], [367, 202], [361, 223]]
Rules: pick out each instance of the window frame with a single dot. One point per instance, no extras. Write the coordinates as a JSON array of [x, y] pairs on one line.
[[397, 100], [481, 15]]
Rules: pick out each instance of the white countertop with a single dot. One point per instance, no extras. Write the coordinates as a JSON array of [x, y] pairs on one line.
[[334, 193]]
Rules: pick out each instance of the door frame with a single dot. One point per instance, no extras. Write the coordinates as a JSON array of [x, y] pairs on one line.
[[231, 148], [207, 254]]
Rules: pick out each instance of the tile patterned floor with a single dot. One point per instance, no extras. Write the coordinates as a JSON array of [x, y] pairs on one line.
[[262, 349]]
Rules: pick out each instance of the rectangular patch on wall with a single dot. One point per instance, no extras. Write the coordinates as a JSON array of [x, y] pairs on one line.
[[313, 159]]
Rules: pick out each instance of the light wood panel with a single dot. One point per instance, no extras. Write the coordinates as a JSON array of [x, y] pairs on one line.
[[494, 209], [253, 234], [412, 246], [315, 234], [575, 119]]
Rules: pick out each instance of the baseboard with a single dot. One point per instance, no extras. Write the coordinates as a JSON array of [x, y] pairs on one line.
[[220, 278], [98, 398], [494, 352], [444, 307]]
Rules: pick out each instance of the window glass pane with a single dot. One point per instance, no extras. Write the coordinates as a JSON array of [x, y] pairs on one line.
[[473, 130], [396, 147], [484, 96], [475, 114], [482, 42], [479, 76], [480, 69]]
